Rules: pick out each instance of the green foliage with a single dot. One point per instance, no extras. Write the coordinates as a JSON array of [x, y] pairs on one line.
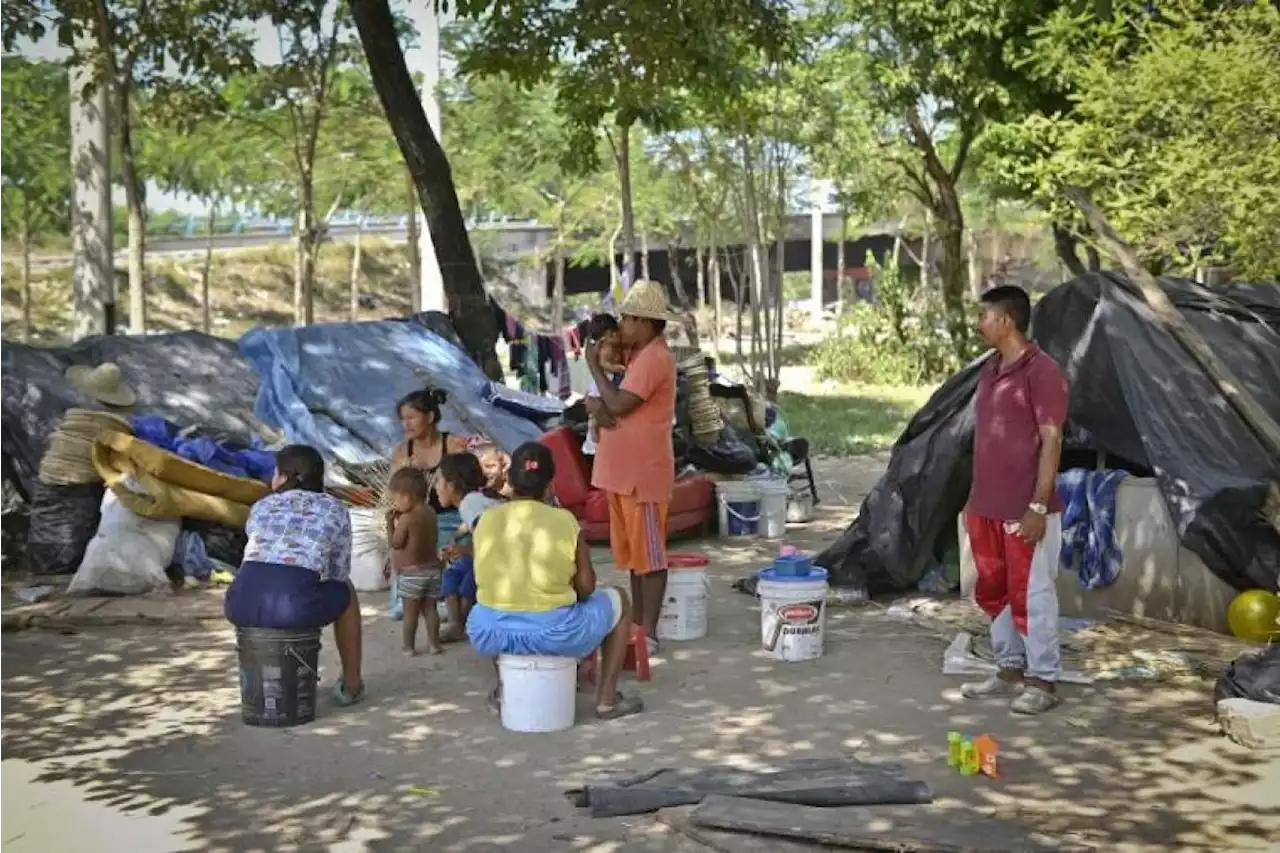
[[900, 339], [36, 147], [506, 146], [1172, 127], [621, 63]]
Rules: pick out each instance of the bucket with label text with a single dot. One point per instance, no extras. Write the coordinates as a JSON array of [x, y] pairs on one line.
[[793, 614]]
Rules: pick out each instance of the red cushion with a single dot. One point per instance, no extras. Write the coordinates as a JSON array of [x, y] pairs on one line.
[[596, 508], [573, 479], [691, 494]]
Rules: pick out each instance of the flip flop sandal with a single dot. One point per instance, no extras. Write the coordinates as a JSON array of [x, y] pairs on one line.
[[342, 698], [624, 706]]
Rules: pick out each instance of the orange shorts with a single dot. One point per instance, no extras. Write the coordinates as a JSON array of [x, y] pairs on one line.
[[638, 534]]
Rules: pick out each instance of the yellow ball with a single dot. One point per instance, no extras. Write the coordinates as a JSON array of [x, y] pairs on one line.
[[1254, 614]]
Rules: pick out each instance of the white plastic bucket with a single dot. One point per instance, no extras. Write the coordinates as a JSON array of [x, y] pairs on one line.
[[793, 615], [773, 508], [800, 507], [367, 559], [538, 692], [684, 608], [739, 509]]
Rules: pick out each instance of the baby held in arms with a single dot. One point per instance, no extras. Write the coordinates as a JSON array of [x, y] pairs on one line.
[[603, 329], [411, 529]]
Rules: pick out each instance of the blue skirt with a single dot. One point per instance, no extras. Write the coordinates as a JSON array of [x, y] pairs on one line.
[[283, 598], [572, 632]]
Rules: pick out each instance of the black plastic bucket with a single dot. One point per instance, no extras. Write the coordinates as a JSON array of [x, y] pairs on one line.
[[279, 671]]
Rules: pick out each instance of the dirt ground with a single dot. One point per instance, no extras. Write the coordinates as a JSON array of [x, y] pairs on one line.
[[129, 738]]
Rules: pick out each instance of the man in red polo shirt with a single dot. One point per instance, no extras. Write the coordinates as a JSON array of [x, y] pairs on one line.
[[1014, 513]]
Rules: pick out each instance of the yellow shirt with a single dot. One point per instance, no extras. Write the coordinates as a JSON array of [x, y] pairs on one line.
[[525, 557]]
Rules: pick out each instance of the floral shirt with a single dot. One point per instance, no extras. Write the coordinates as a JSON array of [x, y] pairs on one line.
[[301, 528]]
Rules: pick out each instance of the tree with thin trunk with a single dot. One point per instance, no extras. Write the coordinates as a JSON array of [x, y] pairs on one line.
[[37, 148], [301, 103], [210, 160], [617, 66], [939, 75]]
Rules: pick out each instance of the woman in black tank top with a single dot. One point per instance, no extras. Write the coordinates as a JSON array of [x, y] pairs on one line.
[[425, 445]]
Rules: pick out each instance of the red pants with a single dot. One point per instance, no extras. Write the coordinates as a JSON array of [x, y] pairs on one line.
[[1003, 561]]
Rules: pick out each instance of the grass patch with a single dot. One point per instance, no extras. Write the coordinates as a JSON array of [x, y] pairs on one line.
[[791, 353], [851, 419]]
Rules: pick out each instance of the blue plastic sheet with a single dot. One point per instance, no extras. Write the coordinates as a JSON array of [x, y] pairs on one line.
[[251, 463], [334, 386]]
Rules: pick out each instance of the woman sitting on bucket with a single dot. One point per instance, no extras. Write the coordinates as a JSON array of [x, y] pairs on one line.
[[296, 565], [536, 590]]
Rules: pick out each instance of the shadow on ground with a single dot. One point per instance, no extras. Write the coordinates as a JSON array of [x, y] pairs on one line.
[[134, 734]]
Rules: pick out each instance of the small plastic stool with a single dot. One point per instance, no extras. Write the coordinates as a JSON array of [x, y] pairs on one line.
[[637, 659]]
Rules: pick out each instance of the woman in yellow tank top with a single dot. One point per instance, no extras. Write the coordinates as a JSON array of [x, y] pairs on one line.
[[536, 590]]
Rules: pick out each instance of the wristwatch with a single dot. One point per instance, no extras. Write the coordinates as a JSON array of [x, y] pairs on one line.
[[1038, 509]]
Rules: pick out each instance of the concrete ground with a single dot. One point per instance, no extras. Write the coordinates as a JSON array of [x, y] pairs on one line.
[[129, 738]]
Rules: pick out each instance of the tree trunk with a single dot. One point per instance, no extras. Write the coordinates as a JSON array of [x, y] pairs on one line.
[[415, 256], [135, 198], [557, 286], [1064, 244], [355, 270], [713, 280], [468, 303], [206, 308], [24, 241], [926, 252], [701, 281], [623, 156], [644, 255], [1095, 260], [775, 344], [951, 219], [689, 321], [841, 263], [975, 269], [304, 263]]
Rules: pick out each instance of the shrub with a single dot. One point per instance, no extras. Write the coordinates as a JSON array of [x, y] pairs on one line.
[[900, 339]]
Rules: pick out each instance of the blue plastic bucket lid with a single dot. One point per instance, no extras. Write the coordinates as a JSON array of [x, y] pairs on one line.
[[815, 574]]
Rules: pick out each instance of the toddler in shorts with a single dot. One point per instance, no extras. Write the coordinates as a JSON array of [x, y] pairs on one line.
[[411, 529]]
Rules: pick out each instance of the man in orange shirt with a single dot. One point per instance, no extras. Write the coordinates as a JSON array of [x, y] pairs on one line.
[[635, 460]]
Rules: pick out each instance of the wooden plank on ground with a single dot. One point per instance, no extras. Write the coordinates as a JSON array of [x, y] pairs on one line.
[[717, 841], [891, 829]]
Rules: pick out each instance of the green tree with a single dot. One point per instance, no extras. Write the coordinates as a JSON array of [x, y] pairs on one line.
[[1172, 128], [508, 145], [316, 86], [211, 160], [175, 52], [617, 65], [37, 158], [939, 75]]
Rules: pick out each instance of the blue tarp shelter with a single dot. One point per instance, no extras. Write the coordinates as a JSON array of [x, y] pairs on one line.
[[334, 386]]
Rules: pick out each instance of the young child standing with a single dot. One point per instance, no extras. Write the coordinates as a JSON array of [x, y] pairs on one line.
[[411, 529], [461, 482], [603, 328]]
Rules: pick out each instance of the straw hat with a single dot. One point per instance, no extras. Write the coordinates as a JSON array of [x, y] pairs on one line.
[[647, 299], [104, 383]]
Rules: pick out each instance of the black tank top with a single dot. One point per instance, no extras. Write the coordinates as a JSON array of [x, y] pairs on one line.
[[430, 470]]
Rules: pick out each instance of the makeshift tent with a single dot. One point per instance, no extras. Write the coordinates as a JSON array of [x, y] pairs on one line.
[[1138, 397], [334, 386], [188, 377]]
